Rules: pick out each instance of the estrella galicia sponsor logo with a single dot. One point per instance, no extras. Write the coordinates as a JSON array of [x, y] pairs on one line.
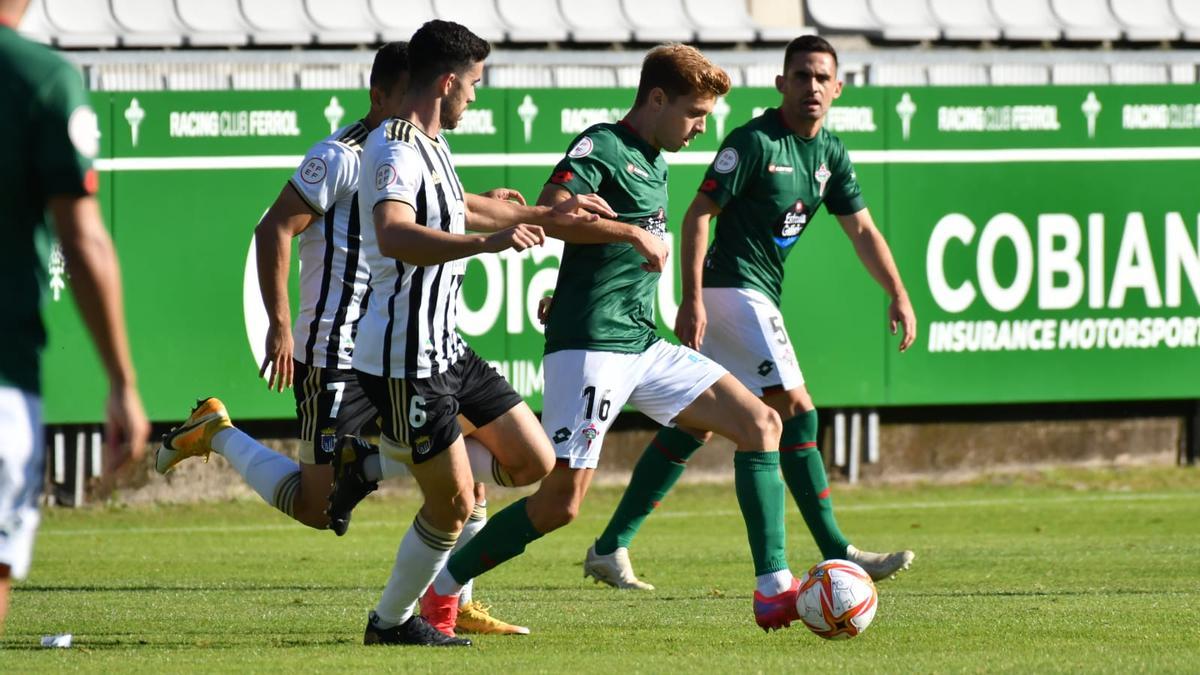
[[655, 223], [791, 224], [562, 435]]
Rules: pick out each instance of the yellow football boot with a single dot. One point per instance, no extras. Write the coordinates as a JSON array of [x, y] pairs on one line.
[[473, 617], [193, 438]]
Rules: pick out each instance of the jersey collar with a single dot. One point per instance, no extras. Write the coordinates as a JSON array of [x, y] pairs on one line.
[[636, 140]]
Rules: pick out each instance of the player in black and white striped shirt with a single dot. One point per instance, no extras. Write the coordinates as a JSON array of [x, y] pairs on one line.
[[410, 360], [319, 205]]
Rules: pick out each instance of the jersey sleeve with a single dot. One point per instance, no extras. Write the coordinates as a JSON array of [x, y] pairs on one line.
[[396, 174], [66, 136], [587, 164], [327, 174], [737, 163], [843, 196]]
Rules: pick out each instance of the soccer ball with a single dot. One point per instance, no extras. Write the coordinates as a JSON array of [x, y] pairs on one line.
[[837, 599]]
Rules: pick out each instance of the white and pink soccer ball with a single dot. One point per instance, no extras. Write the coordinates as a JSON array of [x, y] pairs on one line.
[[837, 599]]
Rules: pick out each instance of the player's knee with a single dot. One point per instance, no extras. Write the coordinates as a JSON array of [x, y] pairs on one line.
[[450, 514], [762, 429], [699, 434], [537, 467]]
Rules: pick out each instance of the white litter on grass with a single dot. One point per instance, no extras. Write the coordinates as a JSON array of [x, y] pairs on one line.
[[61, 640]]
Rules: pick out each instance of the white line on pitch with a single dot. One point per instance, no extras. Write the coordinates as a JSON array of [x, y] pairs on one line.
[[595, 515]]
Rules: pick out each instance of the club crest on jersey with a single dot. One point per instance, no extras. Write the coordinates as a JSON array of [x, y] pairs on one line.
[[822, 175], [726, 161], [582, 149], [791, 224], [385, 175], [313, 171]]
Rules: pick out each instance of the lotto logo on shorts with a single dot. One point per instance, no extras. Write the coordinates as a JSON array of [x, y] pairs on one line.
[[562, 435]]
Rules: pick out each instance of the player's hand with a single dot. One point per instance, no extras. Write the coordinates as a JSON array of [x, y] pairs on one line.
[[125, 428], [506, 195], [518, 238], [277, 366], [653, 249], [581, 209], [901, 315], [690, 322], [543, 310]]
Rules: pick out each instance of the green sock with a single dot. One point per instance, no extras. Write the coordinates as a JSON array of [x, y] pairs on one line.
[[504, 537], [760, 496], [661, 465], [804, 471]]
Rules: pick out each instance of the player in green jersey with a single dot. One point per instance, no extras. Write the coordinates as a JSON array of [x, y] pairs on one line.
[[768, 180], [45, 166], [602, 351]]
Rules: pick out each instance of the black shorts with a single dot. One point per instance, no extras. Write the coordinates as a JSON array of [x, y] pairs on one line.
[[422, 414], [329, 404]]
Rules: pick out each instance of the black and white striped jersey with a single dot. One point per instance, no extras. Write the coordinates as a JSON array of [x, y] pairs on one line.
[[410, 328], [334, 275]]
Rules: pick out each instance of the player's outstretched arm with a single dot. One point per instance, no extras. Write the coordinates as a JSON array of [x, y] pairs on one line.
[[95, 278], [400, 236], [491, 215], [287, 218], [873, 251], [691, 319], [603, 230]]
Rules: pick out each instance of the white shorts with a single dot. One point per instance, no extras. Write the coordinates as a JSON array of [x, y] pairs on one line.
[[746, 334], [22, 471], [585, 390]]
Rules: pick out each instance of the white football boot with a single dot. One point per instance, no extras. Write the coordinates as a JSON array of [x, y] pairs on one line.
[[613, 569], [880, 565]]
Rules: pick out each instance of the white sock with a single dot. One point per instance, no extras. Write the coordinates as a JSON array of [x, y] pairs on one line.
[[445, 583], [381, 467], [774, 583], [273, 476], [485, 466], [473, 525], [423, 551]]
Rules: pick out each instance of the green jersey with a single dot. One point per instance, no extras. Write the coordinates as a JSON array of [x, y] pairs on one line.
[[604, 300], [769, 183], [51, 131]]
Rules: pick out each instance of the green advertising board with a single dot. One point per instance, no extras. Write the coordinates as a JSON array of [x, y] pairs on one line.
[[1048, 238]]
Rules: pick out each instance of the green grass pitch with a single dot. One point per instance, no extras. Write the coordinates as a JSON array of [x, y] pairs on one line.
[[1083, 570]]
